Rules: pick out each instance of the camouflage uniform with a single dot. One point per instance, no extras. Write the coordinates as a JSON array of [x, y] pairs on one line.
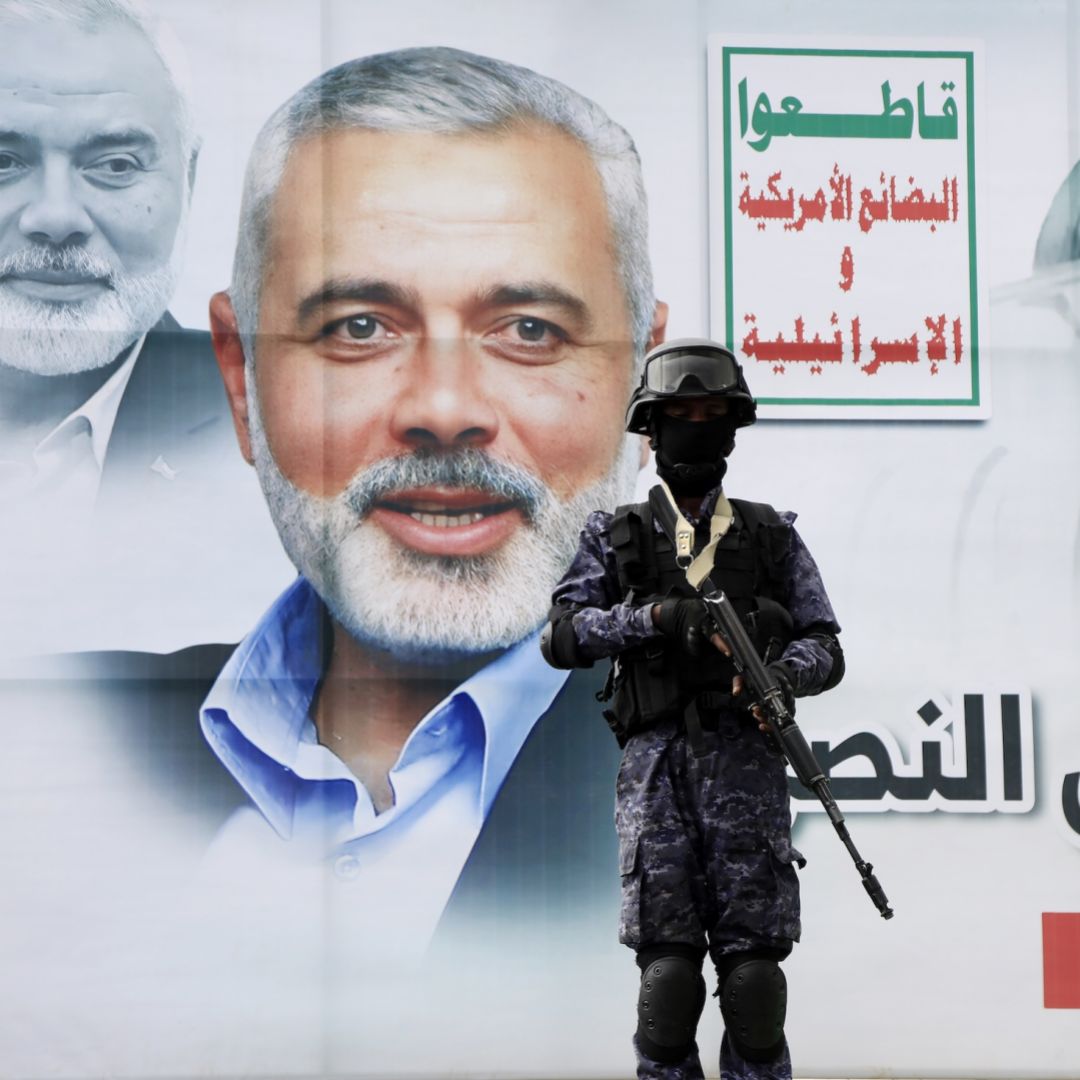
[[704, 837]]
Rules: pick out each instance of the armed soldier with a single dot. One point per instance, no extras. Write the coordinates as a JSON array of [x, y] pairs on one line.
[[702, 807]]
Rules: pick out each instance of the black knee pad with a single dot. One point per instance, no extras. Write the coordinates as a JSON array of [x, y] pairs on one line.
[[753, 1002], [670, 1002]]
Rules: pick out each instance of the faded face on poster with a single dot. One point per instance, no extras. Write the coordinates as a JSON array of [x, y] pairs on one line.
[[440, 335]]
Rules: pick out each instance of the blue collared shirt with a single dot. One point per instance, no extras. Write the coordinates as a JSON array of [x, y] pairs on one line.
[[399, 865]]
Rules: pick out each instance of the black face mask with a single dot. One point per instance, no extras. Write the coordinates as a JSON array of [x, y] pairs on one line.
[[690, 454]]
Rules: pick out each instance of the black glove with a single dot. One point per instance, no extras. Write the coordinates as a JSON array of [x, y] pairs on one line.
[[781, 672], [684, 621]]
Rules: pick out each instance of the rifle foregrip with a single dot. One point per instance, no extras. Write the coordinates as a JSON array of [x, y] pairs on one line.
[[798, 752]]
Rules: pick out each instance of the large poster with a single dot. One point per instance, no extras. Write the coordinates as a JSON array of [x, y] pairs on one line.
[[314, 356]]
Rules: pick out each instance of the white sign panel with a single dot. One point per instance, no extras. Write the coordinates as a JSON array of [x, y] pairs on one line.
[[844, 262]]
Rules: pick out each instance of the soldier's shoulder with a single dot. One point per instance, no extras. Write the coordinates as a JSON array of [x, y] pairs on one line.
[[598, 523], [764, 512]]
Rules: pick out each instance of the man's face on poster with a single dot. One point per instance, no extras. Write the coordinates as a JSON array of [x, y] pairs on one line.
[[442, 364], [93, 189]]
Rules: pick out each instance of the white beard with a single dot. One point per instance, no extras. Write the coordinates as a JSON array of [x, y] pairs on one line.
[[428, 608], [44, 338]]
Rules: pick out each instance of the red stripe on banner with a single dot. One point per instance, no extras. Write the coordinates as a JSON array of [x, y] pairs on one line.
[[1061, 960]]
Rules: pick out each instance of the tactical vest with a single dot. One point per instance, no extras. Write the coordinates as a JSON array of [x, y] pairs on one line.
[[658, 680]]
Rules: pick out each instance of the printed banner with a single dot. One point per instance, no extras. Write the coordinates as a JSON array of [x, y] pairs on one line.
[[318, 324], [845, 268]]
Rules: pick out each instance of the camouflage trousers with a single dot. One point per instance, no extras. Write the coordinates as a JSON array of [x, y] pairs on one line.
[[706, 857]]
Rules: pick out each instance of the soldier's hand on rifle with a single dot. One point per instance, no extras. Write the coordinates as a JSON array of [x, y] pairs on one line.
[[725, 648], [684, 621], [782, 674], [779, 671], [738, 684]]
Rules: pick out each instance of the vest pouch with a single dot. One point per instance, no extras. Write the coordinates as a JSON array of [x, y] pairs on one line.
[[643, 694], [770, 628], [612, 720]]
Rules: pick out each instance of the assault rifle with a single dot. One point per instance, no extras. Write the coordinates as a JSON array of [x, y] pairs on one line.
[[765, 690]]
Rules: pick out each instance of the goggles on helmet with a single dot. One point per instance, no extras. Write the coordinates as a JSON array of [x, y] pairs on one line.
[[716, 371]]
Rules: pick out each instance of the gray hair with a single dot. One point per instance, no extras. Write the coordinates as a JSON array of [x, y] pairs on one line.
[[443, 91], [93, 15]]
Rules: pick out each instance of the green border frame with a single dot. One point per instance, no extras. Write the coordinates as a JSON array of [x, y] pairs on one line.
[[729, 316]]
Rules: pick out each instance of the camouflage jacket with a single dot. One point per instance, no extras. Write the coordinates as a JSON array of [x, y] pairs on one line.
[[605, 625]]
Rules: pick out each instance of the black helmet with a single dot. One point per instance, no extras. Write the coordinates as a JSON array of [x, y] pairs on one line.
[[690, 367]]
